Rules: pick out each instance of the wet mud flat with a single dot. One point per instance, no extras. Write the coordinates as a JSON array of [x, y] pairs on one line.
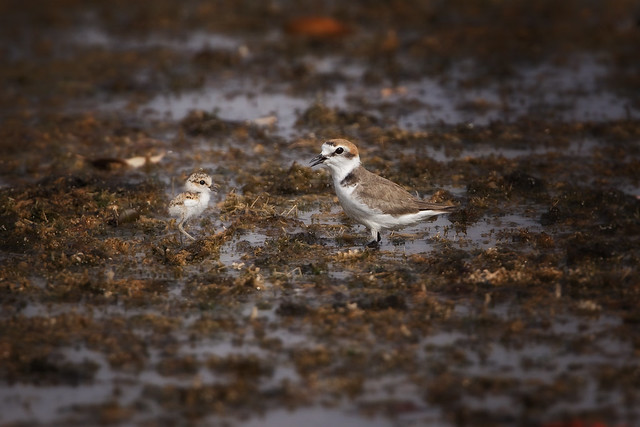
[[521, 308]]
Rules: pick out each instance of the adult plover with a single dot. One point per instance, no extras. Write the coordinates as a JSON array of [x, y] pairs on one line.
[[193, 201], [370, 199]]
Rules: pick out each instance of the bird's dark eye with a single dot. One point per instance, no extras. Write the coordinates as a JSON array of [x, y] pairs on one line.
[[202, 182], [339, 150]]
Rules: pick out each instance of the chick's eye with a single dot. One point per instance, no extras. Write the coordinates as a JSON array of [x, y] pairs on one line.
[[202, 182], [339, 150]]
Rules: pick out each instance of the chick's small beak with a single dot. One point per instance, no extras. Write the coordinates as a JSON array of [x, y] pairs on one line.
[[319, 159], [214, 187]]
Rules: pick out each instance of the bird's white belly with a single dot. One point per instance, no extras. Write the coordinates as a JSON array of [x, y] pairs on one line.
[[360, 212], [352, 207], [371, 217]]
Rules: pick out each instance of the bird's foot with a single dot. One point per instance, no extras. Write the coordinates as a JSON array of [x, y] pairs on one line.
[[374, 244]]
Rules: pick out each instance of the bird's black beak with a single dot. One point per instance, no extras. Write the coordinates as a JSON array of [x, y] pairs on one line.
[[319, 159]]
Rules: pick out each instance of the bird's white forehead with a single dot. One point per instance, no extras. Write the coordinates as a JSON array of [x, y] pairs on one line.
[[328, 148]]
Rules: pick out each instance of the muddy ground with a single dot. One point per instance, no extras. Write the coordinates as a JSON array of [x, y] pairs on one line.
[[521, 308]]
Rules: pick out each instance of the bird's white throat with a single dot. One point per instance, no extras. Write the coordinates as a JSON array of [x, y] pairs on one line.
[[341, 168]]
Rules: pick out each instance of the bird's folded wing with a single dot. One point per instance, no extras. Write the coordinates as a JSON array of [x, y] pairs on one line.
[[391, 198]]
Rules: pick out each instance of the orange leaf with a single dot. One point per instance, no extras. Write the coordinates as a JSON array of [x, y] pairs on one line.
[[317, 27]]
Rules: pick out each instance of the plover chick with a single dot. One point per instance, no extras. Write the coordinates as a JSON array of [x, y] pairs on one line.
[[370, 199], [193, 201]]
